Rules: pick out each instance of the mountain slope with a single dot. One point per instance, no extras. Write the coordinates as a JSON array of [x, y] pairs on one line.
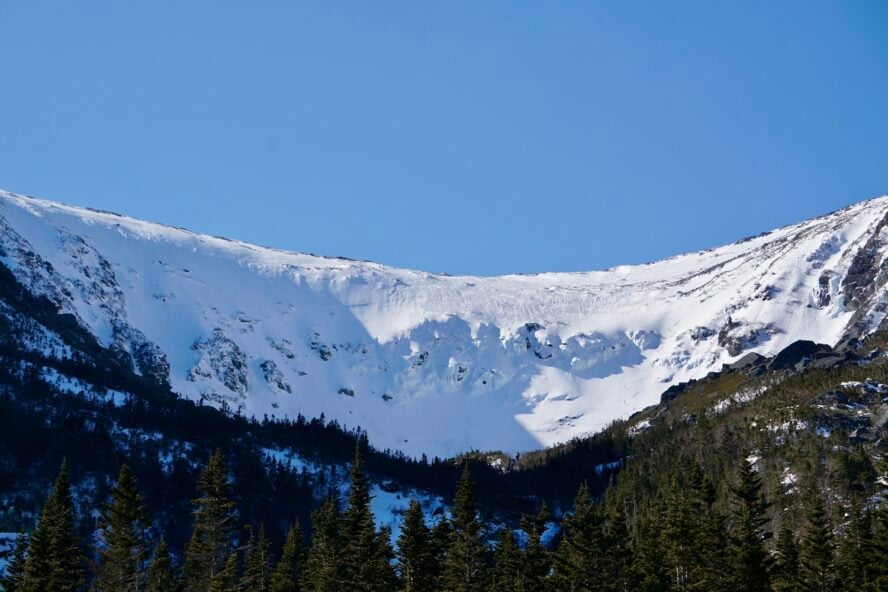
[[438, 364]]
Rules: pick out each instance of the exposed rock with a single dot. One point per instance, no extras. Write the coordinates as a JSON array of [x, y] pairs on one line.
[[737, 337], [222, 360], [796, 353], [274, 376], [749, 360]]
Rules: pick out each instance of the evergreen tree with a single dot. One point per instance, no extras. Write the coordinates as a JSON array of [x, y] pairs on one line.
[[324, 565], [786, 564], [367, 553], [751, 564], [440, 543], [257, 564], [123, 550], [508, 573], [879, 565], [817, 549], [579, 561], [14, 578], [618, 558], [650, 557], [55, 559], [710, 556], [535, 557], [855, 553], [211, 541], [465, 565], [160, 572], [289, 570], [225, 579], [679, 530], [415, 552]]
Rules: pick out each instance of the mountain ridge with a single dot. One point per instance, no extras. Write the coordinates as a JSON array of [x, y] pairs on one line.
[[432, 363]]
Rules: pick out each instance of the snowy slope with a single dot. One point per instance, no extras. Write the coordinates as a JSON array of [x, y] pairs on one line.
[[439, 364]]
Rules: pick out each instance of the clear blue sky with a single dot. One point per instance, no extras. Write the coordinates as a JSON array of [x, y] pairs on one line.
[[465, 137]]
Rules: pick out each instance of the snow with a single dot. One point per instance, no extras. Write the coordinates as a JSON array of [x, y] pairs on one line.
[[435, 364], [388, 506], [870, 385], [7, 545]]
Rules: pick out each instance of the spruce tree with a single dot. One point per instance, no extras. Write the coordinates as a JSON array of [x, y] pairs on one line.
[[817, 549], [786, 563], [650, 561], [225, 579], [257, 564], [440, 542], [879, 565], [679, 535], [324, 565], [123, 550], [710, 556], [415, 552], [160, 573], [618, 553], [507, 574], [214, 522], [14, 578], [289, 570], [55, 559], [535, 557], [854, 557], [579, 561], [465, 565], [751, 564], [367, 553]]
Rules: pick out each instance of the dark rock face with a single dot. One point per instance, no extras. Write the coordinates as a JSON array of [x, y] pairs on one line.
[[797, 353], [749, 360], [221, 359], [823, 298], [865, 276], [736, 337], [860, 281]]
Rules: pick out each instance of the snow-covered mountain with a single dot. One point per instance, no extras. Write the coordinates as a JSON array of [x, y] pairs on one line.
[[438, 364]]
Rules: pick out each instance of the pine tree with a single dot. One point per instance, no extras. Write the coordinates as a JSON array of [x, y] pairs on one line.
[[579, 561], [123, 551], [465, 565], [679, 530], [160, 572], [855, 553], [508, 573], [14, 578], [289, 570], [55, 559], [879, 565], [535, 557], [415, 552], [440, 543], [211, 541], [751, 563], [710, 556], [618, 554], [649, 555], [786, 564], [366, 564], [225, 579], [257, 565], [323, 567], [817, 549]]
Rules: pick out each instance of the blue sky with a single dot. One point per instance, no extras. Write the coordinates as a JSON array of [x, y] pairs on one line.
[[464, 137]]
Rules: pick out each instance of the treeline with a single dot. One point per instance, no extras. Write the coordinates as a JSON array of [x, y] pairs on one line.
[[680, 542]]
